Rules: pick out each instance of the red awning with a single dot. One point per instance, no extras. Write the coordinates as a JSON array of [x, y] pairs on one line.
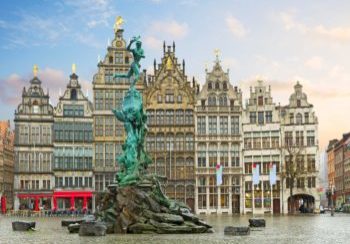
[[69, 194], [33, 195]]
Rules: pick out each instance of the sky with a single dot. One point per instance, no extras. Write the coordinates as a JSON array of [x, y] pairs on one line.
[[280, 42]]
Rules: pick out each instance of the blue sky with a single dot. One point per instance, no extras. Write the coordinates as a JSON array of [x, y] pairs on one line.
[[278, 41]]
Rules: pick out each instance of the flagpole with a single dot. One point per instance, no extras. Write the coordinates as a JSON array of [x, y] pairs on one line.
[[271, 204]]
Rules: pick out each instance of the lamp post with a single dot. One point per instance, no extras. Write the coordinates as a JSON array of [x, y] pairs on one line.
[[332, 199]]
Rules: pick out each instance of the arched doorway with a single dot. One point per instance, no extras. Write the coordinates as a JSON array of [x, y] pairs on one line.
[[302, 203]]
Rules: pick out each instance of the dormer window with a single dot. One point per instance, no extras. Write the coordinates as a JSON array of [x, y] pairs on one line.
[[35, 107], [224, 86], [110, 59], [260, 100], [217, 86], [210, 85], [298, 103], [73, 94]]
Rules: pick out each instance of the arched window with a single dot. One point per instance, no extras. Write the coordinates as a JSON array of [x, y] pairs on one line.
[[217, 86], [223, 100], [212, 100], [210, 85], [35, 107], [180, 141], [189, 142], [188, 117], [224, 85], [73, 94], [170, 141], [299, 119], [160, 117], [179, 117], [160, 142]]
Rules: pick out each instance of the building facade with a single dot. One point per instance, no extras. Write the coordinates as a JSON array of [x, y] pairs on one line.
[[108, 94], [169, 100], [330, 162], [218, 141], [7, 138], [339, 150], [73, 149], [299, 129], [33, 179], [262, 139]]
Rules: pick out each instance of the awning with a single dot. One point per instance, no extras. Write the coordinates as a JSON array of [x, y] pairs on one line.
[[34, 195], [69, 194]]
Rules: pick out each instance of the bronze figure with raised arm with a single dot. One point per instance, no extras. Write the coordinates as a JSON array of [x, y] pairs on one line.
[[135, 66]]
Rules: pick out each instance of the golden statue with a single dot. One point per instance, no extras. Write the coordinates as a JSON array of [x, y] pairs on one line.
[[169, 64], [74, 68], [118, 23], [35, 70]]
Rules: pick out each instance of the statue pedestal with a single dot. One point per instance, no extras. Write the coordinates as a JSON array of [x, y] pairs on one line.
[[143, 208]]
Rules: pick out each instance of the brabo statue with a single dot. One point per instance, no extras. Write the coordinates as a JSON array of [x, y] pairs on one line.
[[135, 66], [135, 203], [134, 159]]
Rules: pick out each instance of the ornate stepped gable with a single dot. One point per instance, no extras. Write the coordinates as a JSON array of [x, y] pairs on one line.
[[73, 92], [34, 100], [217, 89], [170, 74]]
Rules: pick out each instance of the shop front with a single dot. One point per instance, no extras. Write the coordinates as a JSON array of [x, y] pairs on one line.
[[72, 200], [35, 202]]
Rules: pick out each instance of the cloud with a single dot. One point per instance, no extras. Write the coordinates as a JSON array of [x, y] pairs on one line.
[[229, 63], [338, 33], [171, 28], [153, 42], [53, 80], [236, 27], [315, 62], [71, 19]]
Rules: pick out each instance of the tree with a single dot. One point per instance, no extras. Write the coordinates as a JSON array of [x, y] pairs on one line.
[[294, 165]]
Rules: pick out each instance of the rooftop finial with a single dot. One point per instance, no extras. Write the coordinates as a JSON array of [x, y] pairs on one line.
[[35, 70], [119, 21], [74, 68], [217, 53]]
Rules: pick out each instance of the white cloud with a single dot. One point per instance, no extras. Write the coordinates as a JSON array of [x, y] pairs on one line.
[[338, 33], [315, 62], [229, 63], [171, 28], [153, 42], [52, 80], [236, 27]]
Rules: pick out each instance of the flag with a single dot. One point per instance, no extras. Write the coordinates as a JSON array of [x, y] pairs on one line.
[[272, 174], [256, 174], [218, 174]]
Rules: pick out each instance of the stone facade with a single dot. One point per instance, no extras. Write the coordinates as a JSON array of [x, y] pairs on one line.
[[7, 138], [33, 179], [218, 116], [299, 128], [262, 139], [108, 94], [73, 149], [169, 100]]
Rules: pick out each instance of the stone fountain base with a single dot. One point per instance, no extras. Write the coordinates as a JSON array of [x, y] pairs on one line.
[[143, 208]]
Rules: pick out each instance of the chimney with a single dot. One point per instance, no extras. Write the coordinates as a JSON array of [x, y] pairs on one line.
[[173, 46], [163, 47]]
